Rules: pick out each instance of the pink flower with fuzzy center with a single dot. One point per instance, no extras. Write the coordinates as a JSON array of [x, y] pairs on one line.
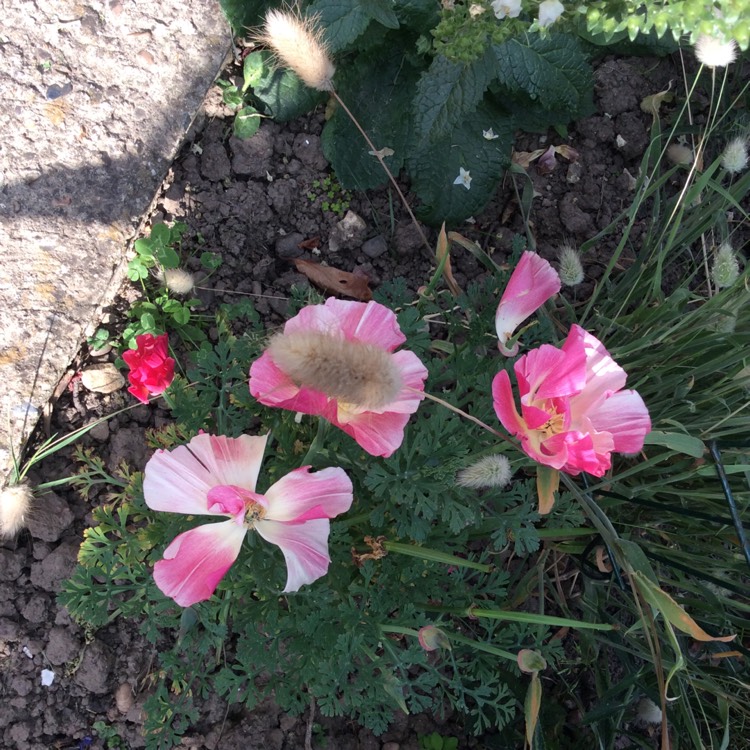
[[574, 413], [338, 361], [216, 476], [531, 284]]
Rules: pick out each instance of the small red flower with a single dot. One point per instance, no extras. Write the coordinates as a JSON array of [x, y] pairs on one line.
[[151, 370]]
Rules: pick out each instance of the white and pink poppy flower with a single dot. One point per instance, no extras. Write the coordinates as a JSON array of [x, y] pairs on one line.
[[574, 411], [216, 476], [531, 284], [338, 361]]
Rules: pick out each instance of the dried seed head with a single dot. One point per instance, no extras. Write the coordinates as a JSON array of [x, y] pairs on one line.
[[176, 280], [571, 269], [490, 471], [298, 43], [680, 154], [349, 371], [734, 157], [726, 267], [15, 502], [715, 53]]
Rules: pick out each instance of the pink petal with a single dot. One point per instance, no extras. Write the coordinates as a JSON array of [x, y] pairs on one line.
[[305, 548], [531, 284], [272, 387], [178, 481], [547, 372], [626, 418], [579, 452], [371, 323], [196, 561], [300, 496], [378, 434], [505, 406], [413, 374]]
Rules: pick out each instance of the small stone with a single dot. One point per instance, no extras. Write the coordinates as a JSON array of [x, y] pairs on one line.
[[100, 432], [375, 247], [103, 378], [51, 517], [288, 246], [93, 672], [124, 697], [348, 233], [575, 170], [62, 646]]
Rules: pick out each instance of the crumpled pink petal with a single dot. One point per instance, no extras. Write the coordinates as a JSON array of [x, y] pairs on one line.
[[531, 284], [574, 413]]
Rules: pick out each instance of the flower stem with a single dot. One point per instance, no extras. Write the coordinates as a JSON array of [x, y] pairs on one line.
[[317, 442], [462, 413], [433, 555], [377, 155]]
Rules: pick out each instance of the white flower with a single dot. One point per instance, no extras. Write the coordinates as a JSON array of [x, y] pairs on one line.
[[715, 53], [464, 178], [734, 157], [489, 135], [476, 10], [549, 12], [506, 8]]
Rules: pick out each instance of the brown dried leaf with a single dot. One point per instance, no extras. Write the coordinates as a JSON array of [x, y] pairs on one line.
[[311, 244], [567, 152], [651, 104], [443, 251], [524, 158], [335, 281]]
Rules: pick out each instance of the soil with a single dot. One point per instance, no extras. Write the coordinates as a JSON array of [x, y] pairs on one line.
[[247, 201]]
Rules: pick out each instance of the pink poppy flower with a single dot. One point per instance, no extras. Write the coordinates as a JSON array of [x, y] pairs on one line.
[[216, 476], [531, 284], [574, 411], [151, 367], [338, 361]]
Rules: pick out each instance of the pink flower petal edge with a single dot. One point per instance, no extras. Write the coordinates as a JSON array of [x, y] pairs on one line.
[[531, 284]]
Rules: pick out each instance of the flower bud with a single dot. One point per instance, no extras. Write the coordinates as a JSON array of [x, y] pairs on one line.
[[570, 267], [15, 502], [432, 638], [726, 267], [490, 471], [734, 157]]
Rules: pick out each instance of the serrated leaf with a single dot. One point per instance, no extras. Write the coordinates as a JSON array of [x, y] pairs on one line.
[[282, 94], [553, 71], [342, 20], [435, 166], [246, 122], [382, 117], [447, 92]]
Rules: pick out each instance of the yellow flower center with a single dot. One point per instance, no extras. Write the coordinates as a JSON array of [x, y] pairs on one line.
[[254, 512]]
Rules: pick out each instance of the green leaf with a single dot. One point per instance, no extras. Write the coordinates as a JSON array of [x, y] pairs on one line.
[[342, 20], [382, 116], [148, 323], [690, 446], [167, 257], [246, 122], [244, 13], [382, 11], [143, 248], [281, 92], [552, 71], [160, 233], [448, 92], [435, 166]]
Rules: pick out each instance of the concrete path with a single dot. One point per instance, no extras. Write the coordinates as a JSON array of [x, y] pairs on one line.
[[95, 98]]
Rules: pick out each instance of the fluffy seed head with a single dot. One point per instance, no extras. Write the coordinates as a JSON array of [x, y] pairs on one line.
[[349, 371], [490, 471], [176, 280], [734, 157], [726, 267], [680, 154], [715, 53], [571, 269], [298, 43], [649, 712], [15, 502]]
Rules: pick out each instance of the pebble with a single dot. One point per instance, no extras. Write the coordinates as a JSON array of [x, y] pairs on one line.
[[103, 378]]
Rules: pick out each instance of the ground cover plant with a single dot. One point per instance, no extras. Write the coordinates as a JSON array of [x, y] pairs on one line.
[[449, 547]]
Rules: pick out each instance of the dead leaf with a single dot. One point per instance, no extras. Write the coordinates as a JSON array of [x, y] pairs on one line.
[[651, 104], [335, 281], [311, 244], [524, 158], [103, 378], [568, 152], [443, 251]]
